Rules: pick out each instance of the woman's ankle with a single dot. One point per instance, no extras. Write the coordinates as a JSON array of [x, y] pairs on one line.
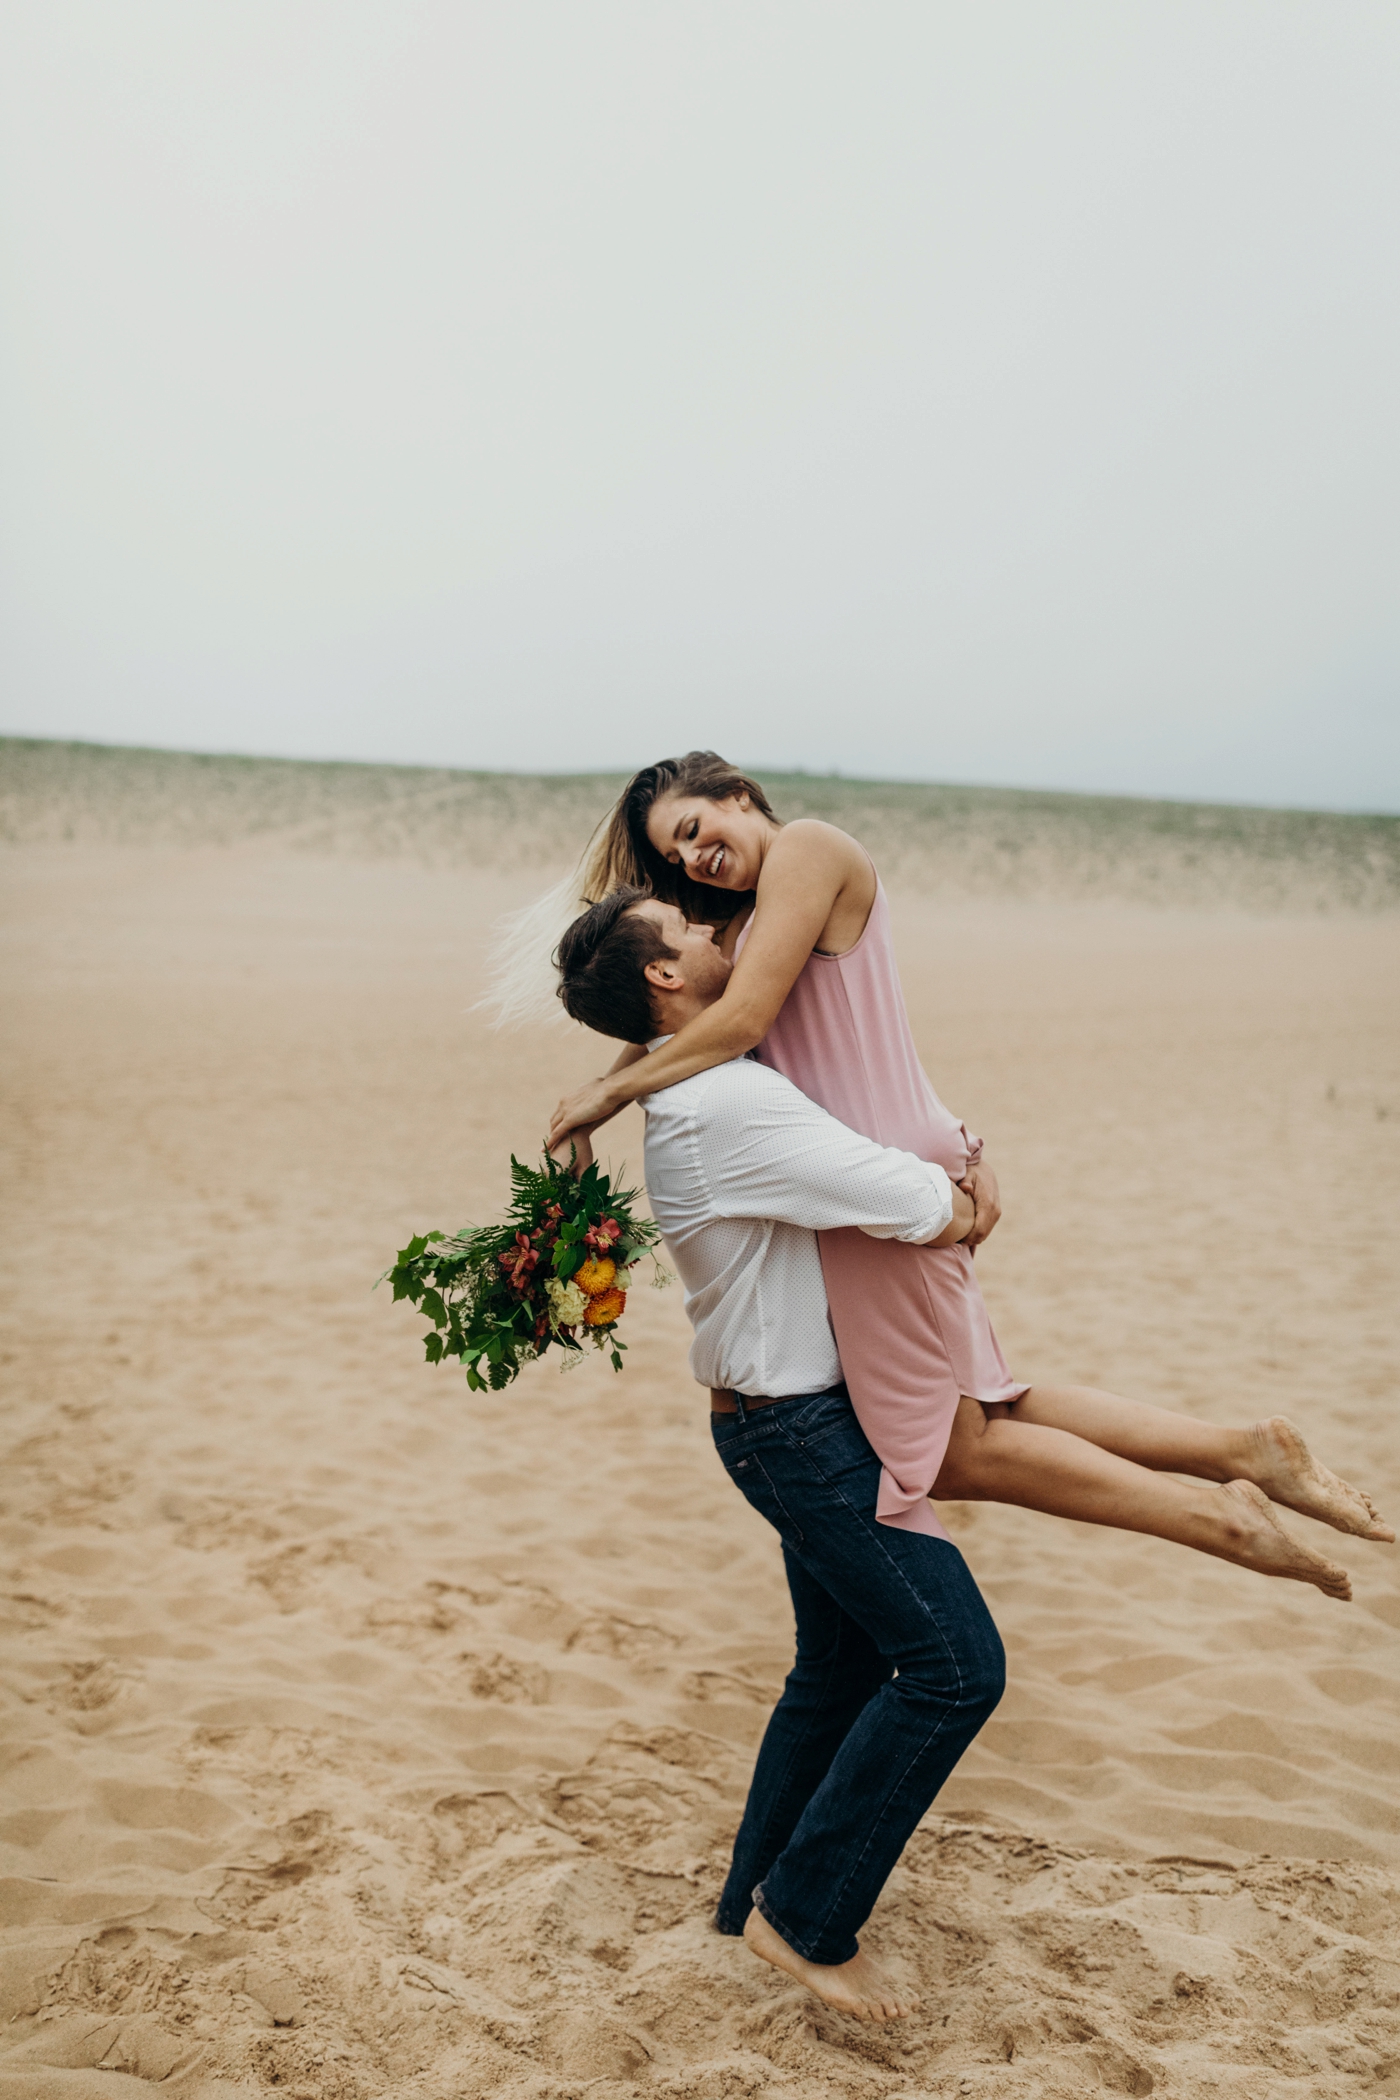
[[1246, 1452]]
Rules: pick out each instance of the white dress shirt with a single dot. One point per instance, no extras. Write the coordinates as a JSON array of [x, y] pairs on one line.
[[741, 1171]]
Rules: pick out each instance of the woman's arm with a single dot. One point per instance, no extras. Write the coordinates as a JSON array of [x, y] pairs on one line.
[[806, 869], [575, 1147]]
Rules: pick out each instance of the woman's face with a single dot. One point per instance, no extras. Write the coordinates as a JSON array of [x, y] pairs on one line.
[[722, 843]]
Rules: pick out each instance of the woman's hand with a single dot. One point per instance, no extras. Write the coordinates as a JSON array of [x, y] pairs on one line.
[[981, 1184], [959, 1226], [580, 1113], [575, 1151]]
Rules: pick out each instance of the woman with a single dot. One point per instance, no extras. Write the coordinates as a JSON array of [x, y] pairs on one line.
[[815, 993]]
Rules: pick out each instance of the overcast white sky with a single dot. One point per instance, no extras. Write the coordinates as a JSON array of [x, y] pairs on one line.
[[998, 392]]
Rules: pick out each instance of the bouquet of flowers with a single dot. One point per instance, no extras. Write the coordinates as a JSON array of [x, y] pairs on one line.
[[557, 1271]]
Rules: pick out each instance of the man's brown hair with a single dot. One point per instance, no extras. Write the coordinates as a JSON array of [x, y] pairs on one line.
[[602, 962]]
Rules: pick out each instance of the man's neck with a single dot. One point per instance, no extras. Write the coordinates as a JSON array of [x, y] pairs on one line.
[[676, 1009]]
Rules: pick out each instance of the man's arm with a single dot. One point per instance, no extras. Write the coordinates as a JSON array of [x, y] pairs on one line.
[[767, 1151]]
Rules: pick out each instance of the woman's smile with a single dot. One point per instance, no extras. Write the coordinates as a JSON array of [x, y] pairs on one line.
[[719, 843], [715, 861]]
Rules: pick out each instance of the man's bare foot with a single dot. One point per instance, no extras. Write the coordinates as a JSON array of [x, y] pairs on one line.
[[1282, 1465], [1252, 1536], [857, 1986]]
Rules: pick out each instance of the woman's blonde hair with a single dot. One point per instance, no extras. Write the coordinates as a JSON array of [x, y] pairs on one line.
[[523, 977]]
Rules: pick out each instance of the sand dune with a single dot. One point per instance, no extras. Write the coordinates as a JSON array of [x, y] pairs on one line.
[[366, 1740], [952, 842]]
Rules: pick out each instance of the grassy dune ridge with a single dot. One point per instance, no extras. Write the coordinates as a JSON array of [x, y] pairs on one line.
[[955, 841]]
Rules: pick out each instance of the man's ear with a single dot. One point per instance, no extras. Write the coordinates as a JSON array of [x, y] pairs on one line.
[[665, 974]]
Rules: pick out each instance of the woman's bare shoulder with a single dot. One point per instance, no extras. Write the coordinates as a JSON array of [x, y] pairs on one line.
[[810, 842]]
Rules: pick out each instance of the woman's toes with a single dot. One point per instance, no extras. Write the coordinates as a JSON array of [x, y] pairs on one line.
[[1259, 1541], [1287, 1472], [1379, 1529]]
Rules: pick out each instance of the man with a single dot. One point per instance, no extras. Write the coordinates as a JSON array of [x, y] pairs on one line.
[[898, 1662]]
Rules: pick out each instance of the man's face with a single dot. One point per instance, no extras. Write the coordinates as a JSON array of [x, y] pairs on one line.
[[699, 967]]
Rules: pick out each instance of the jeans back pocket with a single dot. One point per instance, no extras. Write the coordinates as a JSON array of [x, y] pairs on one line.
[[819, 1418]]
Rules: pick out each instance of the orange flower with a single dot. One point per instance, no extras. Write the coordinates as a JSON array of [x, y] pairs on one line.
[[605, 1308], [595, 1276]]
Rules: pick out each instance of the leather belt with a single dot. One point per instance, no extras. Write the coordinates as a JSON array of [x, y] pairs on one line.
[[722, 1401]]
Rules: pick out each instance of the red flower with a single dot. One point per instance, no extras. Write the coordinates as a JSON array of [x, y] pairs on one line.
[[519, 1263]]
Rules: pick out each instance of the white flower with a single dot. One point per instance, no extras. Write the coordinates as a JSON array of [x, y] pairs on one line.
[[567, 1303]]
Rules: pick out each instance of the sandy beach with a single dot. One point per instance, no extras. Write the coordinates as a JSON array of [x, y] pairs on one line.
[[368, 1740]]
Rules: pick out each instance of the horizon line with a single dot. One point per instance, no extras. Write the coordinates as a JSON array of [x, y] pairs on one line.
[[776, 771]]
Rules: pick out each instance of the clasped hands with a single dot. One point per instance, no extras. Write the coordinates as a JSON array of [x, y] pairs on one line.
[[980, 1183]]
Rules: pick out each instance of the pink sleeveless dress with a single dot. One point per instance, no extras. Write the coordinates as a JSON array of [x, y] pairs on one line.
[[910, 1322]]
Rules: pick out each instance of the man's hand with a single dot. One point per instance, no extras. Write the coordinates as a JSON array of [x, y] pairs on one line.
[[981, 1184], [964, 1214]]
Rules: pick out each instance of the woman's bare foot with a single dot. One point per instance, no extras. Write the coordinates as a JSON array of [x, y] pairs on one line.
[[857, 1986], [1282, 1465], [1252, 1536]]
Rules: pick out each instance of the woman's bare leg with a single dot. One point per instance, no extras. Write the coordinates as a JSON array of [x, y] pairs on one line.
[[1270, 1454], [993, 1457]]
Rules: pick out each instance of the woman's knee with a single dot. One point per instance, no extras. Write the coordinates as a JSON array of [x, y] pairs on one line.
[[969, 1463], [968, 1472]]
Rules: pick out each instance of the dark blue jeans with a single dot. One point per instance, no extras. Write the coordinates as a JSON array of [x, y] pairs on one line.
[[898, 1665]]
